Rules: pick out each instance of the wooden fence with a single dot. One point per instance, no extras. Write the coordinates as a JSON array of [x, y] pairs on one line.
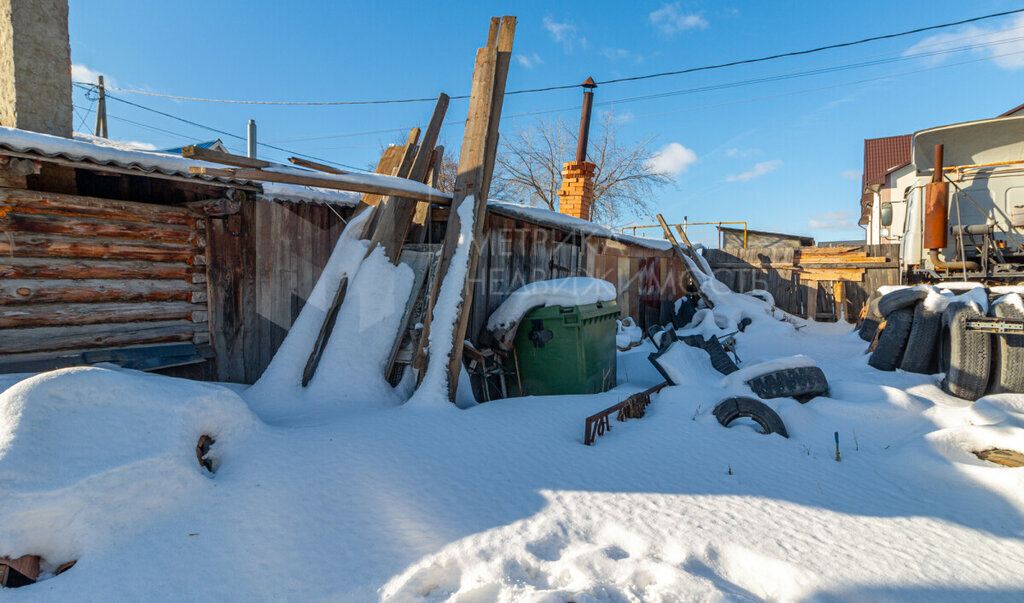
[[821, 276]]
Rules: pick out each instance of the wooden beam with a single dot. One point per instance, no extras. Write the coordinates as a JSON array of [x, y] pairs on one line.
[[194, 152], [397, 212], [255, 175], [216, 207], [316, 166], [681, 256], [476, 162]]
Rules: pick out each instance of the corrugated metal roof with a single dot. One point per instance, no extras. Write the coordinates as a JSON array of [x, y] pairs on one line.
[[883, 155]]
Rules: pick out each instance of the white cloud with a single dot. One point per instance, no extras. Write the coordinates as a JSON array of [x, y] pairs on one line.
[[623, 55], [565, 34], [850, 174], [529, 61], [759, 169], [1003, 45], [672, 159], [82, 73], [836, 220], [671, 19], [735, 152]]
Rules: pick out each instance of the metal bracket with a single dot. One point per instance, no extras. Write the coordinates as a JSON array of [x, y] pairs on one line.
[[996, 326]]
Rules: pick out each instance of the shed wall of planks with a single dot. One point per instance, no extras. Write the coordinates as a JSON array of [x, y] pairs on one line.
[[516, 252], [82, 273], [260, 277]]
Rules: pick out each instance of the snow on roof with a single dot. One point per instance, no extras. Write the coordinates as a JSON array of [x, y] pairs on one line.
[[305, 194], [568, 223]]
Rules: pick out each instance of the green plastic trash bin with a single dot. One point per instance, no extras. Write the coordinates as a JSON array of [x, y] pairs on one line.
[[566, 350]]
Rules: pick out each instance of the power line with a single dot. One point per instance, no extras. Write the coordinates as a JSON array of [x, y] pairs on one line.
[[875, 60], [226, 133], [604, 82]]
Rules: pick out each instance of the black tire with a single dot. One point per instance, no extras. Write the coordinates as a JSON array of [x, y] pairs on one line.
[[964, 355], [1008, 355], [730, 409], [803, 383], [893, 340], [922, 351], [899, 299], [872, 319]]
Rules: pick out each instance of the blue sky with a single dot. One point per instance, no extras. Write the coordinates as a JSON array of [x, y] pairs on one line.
[[784, 155]]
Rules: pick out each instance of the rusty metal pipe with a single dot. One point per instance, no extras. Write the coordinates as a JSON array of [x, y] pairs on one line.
[[947, 266], [588, 105], [936, 212]]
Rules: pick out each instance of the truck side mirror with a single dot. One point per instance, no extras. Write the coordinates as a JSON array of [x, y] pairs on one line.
[[885, 213]]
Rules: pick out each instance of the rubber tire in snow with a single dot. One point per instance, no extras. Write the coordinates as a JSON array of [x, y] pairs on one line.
[[965, 356], [1008, 359], [899, 299], [730, 409], [802, 383], [893, 340], [922, 351], [873, 318]]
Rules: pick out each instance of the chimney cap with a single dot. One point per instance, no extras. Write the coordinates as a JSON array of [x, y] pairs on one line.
[[590, 83]]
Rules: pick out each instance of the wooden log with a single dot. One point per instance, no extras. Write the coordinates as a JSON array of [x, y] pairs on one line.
[[57, 204], [19, 244], [42, 315], [44, 291], [396, 213], [95, 336], [98, 228], [194, 152], [70, 268]]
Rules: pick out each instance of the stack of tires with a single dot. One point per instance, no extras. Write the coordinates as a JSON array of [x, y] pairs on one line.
[[907, 334]]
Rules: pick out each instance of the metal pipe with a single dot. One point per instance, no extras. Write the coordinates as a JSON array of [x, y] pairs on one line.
[[251, 138], [947, 266], [685, 224], [588, 105]]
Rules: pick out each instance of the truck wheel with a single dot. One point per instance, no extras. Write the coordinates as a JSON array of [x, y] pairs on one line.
[[872, 318], [803, 383], [1008, 362], [730, 409], [921, 355], [899, 299], [964, 355], [893, 340]]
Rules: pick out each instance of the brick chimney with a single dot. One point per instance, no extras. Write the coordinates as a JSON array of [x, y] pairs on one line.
[[577, 193], [35, 66]]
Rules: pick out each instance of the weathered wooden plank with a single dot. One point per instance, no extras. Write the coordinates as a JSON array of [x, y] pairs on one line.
[[71, 268], [96, 336], [38, 202], [39, 315], [40, 291], [16, 244], [194, 152], [832, 274]]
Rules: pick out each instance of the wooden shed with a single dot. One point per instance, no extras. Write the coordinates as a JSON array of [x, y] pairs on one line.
[[114, 254]]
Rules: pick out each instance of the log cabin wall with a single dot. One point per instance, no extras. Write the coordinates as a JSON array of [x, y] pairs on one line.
[[83, 273], [516, 252]]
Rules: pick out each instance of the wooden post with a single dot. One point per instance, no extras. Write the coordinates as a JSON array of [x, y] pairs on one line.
[[476, 164]]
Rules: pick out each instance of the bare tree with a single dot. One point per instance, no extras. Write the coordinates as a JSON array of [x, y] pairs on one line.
[[529, 168]]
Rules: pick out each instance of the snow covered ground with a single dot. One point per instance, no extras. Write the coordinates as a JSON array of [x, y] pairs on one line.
[[340, 492], [504, 502]]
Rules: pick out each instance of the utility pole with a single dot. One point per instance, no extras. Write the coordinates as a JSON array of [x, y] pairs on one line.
[[101, 110], [250, 136]]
